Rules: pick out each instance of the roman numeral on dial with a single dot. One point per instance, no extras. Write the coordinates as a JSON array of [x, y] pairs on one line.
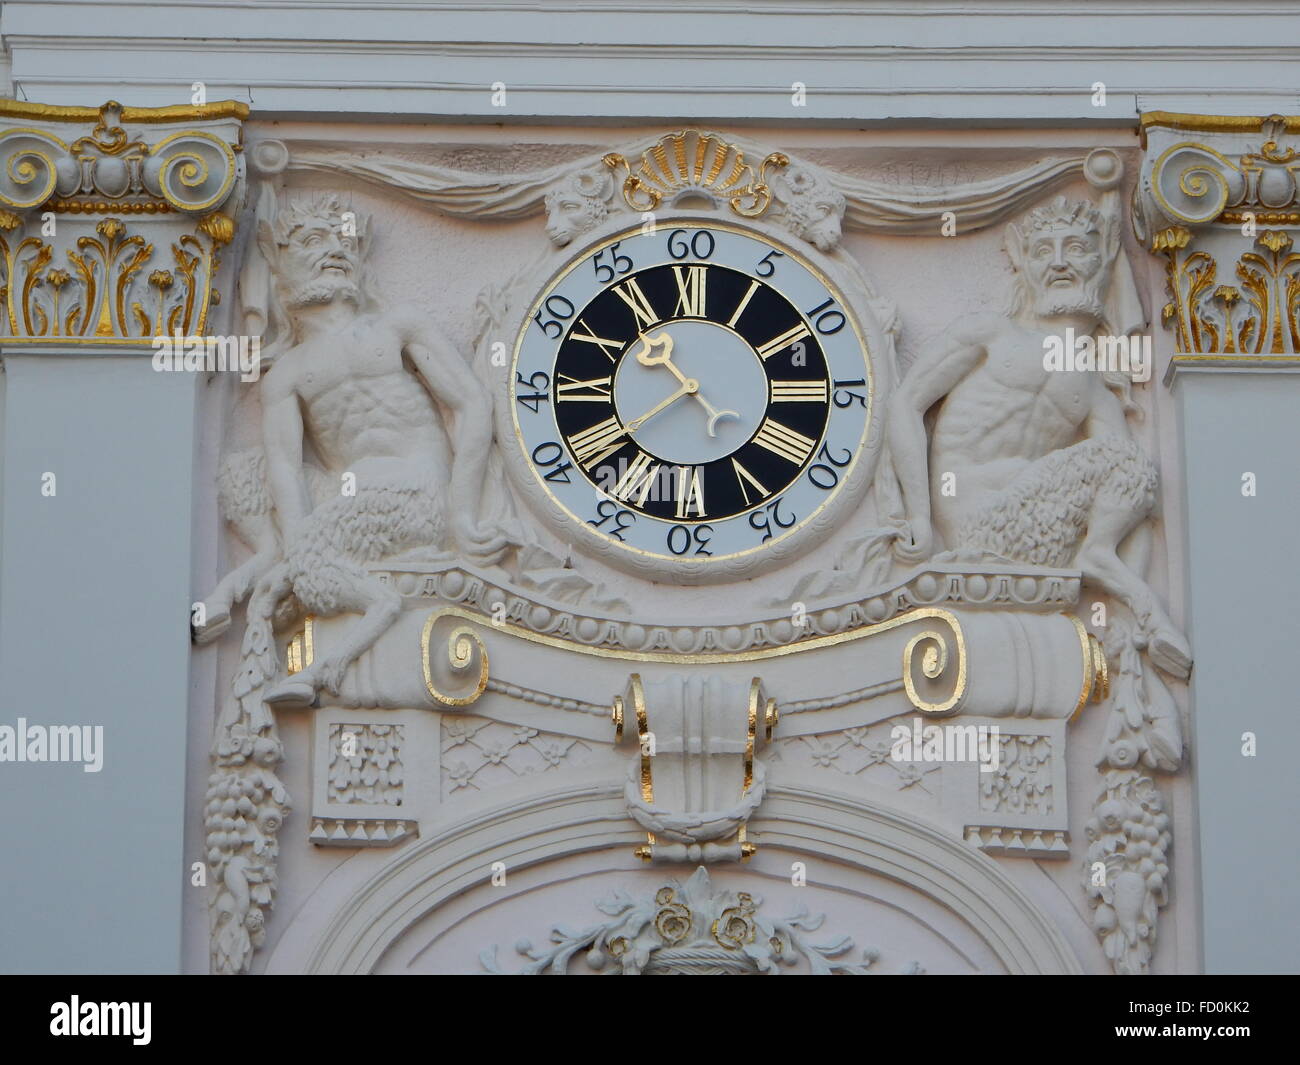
[[744, 477], [572, 390], [800, 391], [630, 293], [640, 474], [610, 348], [783, 441], [744, 302], [597, 443], [690, 492], [790, 336], [691, 281]]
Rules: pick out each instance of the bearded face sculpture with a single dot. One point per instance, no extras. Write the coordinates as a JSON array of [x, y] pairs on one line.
[[1061, 256], [317, 253]]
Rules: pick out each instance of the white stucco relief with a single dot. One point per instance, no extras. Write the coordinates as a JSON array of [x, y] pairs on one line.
[[434, 551]]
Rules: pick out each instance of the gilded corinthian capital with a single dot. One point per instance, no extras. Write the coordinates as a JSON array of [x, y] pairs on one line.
[[1219, 201], [112, 218]]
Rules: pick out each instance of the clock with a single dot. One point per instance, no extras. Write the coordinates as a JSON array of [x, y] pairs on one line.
[[690, 400]]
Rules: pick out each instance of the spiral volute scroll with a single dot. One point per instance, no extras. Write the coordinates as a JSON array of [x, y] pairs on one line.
[[1193, 184], [192, 171], [36, 165], [455, 660], [934, 666]]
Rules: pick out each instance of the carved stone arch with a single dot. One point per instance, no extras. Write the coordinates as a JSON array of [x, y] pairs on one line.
[[572, 821]]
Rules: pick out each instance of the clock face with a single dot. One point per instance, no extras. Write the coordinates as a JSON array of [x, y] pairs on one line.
[[690, 392]]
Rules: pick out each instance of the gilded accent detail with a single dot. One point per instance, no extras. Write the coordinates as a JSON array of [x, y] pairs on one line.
[[174, 113], [676, 166], [464, 649], [1096, 671], [107, 276], [59, 206], [1219, 213], [1215, 123], [1260, 316], [94, 299], [302, 651], [111, 169], [1194, 184]]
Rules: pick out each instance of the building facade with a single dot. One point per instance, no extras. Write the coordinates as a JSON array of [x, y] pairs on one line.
[[648, 488]]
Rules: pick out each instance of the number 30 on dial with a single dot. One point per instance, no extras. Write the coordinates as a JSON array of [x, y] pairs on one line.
[[692, 392]]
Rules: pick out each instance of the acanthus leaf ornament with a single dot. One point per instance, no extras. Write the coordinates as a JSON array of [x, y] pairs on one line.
[[107, 294]]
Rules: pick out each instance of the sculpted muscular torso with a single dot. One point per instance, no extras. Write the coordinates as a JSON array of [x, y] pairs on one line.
[[1024, 463], [367, 391]]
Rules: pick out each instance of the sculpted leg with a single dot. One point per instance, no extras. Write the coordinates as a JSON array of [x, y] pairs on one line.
[[1108, 524], [246, 504], [378, 606], [234, 587], [325, 565]]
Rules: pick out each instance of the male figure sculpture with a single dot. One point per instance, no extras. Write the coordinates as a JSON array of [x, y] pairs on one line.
[[364, 389], [1038, 465]]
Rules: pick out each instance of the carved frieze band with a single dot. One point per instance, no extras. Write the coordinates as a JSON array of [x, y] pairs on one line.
[[1003, 587]]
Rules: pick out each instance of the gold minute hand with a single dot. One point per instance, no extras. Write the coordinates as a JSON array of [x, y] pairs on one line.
[[690, 386]]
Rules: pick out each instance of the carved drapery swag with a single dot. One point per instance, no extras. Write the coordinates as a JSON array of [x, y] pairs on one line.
[[871, 206]]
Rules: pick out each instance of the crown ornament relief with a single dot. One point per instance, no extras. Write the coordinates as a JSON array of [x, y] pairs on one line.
[[692, 929], [690, 163]]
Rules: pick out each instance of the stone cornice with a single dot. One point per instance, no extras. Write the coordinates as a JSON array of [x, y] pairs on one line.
[[873, 62]]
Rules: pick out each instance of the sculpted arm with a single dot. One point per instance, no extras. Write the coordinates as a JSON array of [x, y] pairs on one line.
[[451, 381], [928, 381], [282, 431], [1106, 417]]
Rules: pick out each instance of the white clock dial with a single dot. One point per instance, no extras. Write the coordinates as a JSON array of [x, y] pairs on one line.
[[693, 393]]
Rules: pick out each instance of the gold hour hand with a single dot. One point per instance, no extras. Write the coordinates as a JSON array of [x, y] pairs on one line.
[[690, 386], [665, 341]]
